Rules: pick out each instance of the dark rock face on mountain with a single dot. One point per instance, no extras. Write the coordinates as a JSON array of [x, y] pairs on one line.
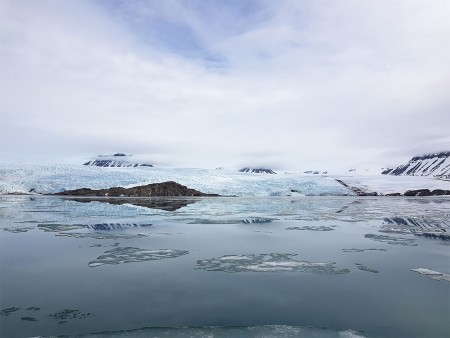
[[155, 189], [111, 163], [116, 160], [257, 170], [357, 190], [427, 165]]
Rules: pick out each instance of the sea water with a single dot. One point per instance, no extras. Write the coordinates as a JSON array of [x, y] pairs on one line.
[[225, 267]]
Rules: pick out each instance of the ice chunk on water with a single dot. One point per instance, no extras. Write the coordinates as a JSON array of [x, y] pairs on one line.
[[363, 267], [133, 255], [362, 250], [62, 316], [6, 312], [433, 274], [273, 262], [18, 230]]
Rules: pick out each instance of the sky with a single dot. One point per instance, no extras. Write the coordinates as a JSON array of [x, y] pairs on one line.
[[298, 85]]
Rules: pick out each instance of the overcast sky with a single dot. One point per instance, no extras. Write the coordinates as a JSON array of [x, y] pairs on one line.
[[287, 84]]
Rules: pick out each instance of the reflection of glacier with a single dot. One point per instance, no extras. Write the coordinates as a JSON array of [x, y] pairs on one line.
[[274, 262], [391, 240], [425, 227], [61, 228], [276, 331], [133, 255], [117, 226], [225, 210], [257, 220]]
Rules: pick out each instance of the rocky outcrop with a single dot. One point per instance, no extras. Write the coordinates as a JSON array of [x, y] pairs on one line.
[[426, 165], [155, 189], [422, 193], [356, 190], [257, 170], [427, 192]]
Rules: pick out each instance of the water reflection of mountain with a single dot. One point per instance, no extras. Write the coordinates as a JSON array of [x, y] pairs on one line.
[[257, 220], [425, 227], [116, 226], [167, 204]]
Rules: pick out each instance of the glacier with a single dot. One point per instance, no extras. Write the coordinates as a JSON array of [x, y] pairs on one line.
[[47, 179]]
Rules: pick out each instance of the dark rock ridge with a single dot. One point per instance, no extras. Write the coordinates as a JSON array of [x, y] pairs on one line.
[[426, 165], [257, 170], [423, 192], [427, 192], [155, 189], [356, 190], [116, 160]]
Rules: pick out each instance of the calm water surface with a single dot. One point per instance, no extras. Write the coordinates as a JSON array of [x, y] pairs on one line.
[[224, 267]]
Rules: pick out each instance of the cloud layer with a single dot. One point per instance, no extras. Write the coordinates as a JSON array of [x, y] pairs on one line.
[[290, 84]]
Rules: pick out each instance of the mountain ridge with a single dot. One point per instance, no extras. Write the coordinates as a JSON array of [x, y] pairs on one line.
[[433, 164], [117, 160]]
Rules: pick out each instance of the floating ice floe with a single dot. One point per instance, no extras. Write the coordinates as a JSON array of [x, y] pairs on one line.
[[433, 274], [273, 262], [6, 312], [363, 267], [18, 230], [133, 255], [362, 250], [62, 316]]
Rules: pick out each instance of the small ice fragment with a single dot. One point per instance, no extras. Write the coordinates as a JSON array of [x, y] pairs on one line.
[[433, 274]]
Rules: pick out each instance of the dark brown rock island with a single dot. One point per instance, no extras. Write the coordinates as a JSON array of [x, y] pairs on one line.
[[169, 188]]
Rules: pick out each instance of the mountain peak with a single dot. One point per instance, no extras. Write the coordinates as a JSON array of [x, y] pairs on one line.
[[436, 164], [116, 160], [257, 170]]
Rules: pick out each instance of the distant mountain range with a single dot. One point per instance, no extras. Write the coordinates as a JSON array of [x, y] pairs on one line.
[[426, 165], [116, 160]]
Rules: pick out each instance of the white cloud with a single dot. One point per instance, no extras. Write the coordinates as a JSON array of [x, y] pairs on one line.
[[301, 85]]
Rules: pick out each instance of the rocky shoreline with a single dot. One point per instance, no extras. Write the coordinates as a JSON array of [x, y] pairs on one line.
[[422, 192]]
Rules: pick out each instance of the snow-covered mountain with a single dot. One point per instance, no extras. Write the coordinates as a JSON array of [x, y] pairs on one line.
[[257, 170], [426, 165], [116, 160]]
